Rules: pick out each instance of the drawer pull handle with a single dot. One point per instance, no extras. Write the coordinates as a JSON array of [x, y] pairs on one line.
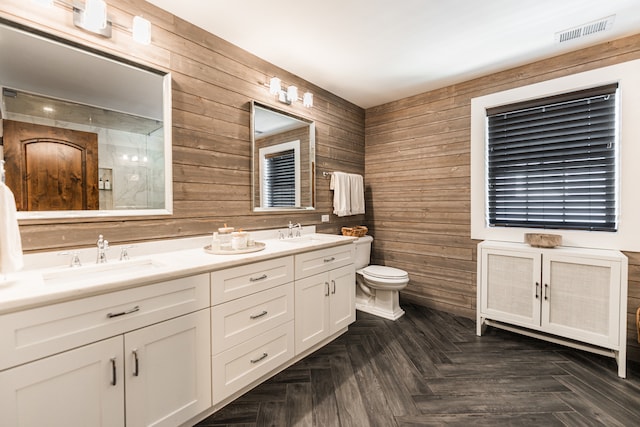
[[136, 368], [255, 279], [256, 316], [264, 355], [330, 259], [122, 313], [333, 282], [113, 371]]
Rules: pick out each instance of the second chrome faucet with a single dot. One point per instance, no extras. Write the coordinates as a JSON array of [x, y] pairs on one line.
[[103, 246]]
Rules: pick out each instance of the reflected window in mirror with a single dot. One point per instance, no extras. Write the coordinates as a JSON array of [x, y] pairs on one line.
[[280, 172], [283, 160]]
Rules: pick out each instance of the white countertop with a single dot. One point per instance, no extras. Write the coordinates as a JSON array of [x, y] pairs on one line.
[[179, 258]]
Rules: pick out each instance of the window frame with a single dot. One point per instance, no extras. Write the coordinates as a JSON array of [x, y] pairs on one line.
[[573, 170], [627, 76], [273, 149]]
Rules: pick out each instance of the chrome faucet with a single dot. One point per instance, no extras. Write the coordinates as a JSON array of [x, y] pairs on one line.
[[103, 246], [124, 252], [75, 258], [298, 227]]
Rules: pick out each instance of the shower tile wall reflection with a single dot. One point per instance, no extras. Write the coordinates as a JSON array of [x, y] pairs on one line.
[[137, 164]]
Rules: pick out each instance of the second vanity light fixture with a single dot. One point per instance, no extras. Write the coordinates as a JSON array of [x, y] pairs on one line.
[[290, 95], [92, 17]]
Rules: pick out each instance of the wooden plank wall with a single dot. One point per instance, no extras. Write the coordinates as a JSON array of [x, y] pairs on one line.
[[417, 163], [417, 152], [213, 84]]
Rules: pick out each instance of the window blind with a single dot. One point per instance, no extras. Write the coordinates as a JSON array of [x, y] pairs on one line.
[[552, 162], [279, 179]]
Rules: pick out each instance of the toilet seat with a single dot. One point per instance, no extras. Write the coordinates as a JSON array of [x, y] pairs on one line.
[[382, 277], [382, 272]]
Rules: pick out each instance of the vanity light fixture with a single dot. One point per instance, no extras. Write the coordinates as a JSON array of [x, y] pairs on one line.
[[290, 95], [92, 17]]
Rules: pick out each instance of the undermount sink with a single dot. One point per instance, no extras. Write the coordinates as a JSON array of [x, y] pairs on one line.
[[310, 238], [101, 272]]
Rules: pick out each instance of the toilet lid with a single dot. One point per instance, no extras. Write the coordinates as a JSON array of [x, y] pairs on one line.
[[382, 272]]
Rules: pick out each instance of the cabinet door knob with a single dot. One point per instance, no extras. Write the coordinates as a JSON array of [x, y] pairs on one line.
[[546, 289], [333, 282], [326, 293], [537, 284]]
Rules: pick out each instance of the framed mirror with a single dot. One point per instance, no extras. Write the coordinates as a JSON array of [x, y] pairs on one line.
[[83, 134], [283, 160]]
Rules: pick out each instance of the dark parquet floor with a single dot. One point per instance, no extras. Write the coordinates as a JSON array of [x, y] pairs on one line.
[[430, 369]]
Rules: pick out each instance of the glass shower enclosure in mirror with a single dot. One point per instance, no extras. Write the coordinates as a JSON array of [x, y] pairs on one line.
[[283, 160], [84, 134]]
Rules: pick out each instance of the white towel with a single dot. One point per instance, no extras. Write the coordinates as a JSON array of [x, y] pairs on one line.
[[357, 193], [340, 184], [10, 243]]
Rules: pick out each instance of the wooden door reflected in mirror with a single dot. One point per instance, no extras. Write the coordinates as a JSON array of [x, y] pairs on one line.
[[50, 168]]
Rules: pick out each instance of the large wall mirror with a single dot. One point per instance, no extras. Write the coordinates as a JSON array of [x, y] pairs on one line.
[[283, 160], [83, 134]]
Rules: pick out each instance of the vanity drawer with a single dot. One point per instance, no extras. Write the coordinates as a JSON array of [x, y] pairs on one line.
[[241, 365], [237, 321], [31, 334], [237, 282], [310, 263]]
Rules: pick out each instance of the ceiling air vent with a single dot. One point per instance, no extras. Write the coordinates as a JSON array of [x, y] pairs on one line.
[[585, 29]]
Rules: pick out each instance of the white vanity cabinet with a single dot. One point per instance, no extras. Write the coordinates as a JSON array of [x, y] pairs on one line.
[[251, 323], [73, 363], [73, 388], [168, 371], [324, 294], [573, 296]]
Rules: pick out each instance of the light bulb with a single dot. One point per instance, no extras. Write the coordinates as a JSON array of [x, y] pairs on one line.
[[307, 99], [274, 86], [292, 93], [141, 30], [95, 15]]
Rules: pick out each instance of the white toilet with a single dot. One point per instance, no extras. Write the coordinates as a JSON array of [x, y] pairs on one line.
[[377, 286]]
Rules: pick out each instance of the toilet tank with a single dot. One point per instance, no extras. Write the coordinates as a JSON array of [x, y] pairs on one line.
[[363, 251]]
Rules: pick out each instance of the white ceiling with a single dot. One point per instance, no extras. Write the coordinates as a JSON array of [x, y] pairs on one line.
[[374, 51]]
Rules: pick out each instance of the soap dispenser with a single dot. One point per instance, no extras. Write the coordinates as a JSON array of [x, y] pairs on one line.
[[215, 242]]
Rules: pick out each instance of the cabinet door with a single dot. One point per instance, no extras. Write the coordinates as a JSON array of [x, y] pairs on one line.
[[581, 298], [511, 286], [81, 387], [168, 371], [312, 311], [342, 306]]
